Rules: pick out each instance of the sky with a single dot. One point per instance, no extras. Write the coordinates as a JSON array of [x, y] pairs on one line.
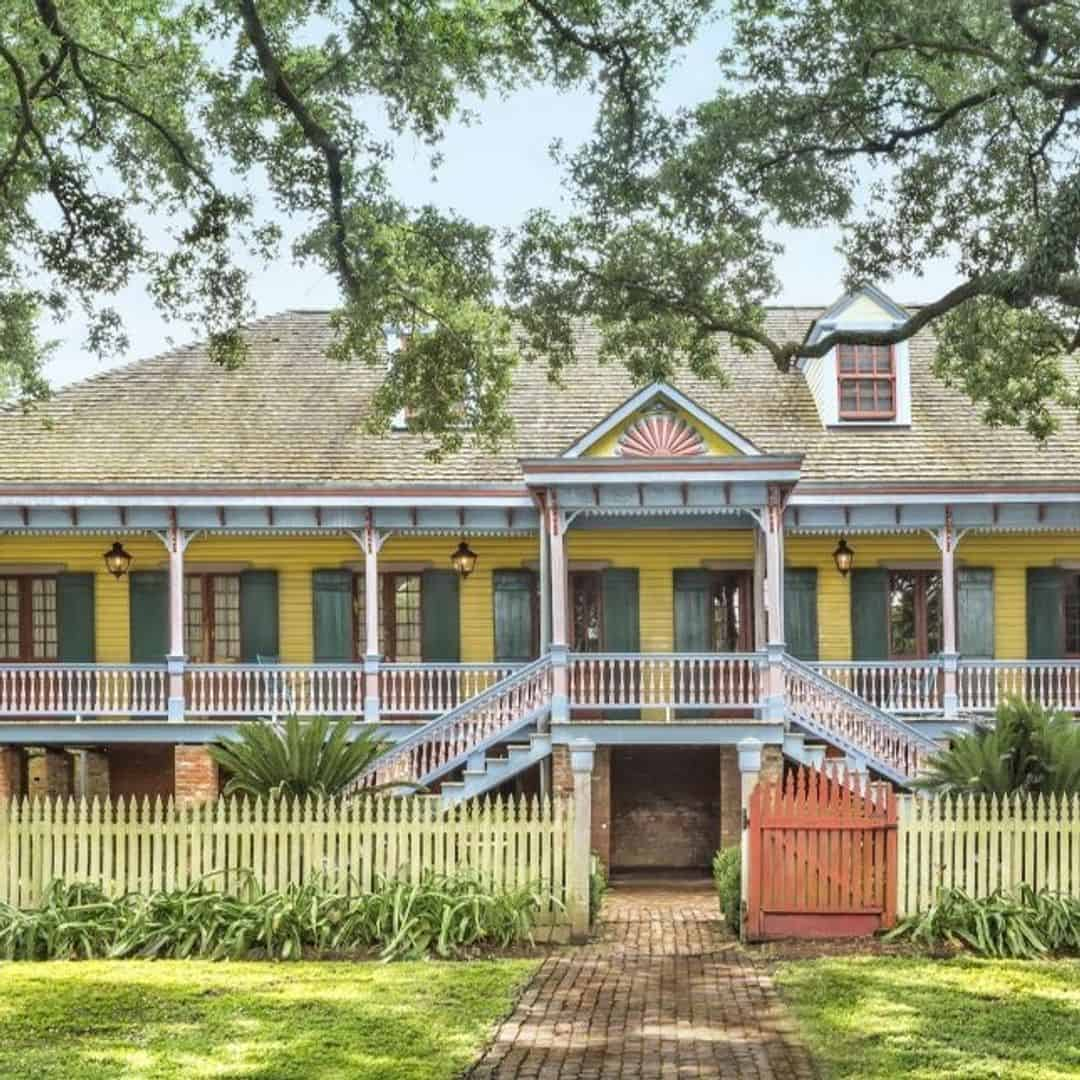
[[494, 171]]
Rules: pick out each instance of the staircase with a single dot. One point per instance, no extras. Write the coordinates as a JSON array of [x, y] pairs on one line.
[[869, 736], [465, 734]]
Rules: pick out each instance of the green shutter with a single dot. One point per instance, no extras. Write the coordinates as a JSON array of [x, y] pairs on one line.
[[870, 614], [75, 618], [442, 616], [1045, 615], [513, 604], [800, 613], [332, 612], [622, 631], [259, 615], [975, 612], [692, 592], [149, 616]]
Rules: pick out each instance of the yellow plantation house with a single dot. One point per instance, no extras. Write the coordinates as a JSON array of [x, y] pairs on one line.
[[671, 587]]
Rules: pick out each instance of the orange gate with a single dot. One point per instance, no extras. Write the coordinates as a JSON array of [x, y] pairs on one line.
[[822, 856]]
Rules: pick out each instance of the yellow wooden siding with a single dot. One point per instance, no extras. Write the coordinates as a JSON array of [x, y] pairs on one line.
[[655, 553]]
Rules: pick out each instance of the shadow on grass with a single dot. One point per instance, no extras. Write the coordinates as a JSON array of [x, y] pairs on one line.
[[163, 1020], [890, 1017]]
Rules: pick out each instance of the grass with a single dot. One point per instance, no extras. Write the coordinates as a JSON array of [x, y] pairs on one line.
[[873, 1017], [101, 1020]]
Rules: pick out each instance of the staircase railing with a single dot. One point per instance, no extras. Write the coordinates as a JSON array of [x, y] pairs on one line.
[[890, 746], [447, 741]]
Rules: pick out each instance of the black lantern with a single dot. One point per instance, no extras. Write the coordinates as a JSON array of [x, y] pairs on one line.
[[117, 560], [464, 559], [844, 557]]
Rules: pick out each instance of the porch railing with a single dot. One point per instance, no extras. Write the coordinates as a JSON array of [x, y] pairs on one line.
[[983, 684], [665, 680], [274, 689], [897, 686], [429, 689], [83, 689]]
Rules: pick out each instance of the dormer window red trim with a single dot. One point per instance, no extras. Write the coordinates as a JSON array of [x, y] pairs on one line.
[[866, 382]]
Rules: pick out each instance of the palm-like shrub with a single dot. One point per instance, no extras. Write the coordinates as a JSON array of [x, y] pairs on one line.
[[1030, 750], [297, 760]]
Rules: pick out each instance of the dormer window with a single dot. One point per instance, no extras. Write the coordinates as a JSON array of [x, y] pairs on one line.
[[866, 382]]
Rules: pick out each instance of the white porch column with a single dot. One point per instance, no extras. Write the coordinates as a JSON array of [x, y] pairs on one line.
[[545, 588], [581, 764], [371, 542], [175, 543], [760, 631], [560, 684], [946, 540], [774, 602], [749, 774]]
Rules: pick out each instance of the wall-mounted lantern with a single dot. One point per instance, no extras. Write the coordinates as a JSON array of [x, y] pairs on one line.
[[844, 557], [463, 559], [117, 560]]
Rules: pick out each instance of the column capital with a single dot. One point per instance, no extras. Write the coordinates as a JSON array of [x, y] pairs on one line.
[[582, 755], [749, 755]]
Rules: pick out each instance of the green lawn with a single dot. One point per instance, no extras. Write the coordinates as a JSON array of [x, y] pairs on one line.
[[134, 1019], [890, 1017]]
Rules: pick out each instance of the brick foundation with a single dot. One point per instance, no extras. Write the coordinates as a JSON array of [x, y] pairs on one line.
[[195, 774], [562, 776], [772, 763], [92, 775], [49, 775], [12, 773], [601, 805], [730, 798], [141, 770]]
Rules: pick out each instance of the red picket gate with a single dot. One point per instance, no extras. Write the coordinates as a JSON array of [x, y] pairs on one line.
[[822, 856]]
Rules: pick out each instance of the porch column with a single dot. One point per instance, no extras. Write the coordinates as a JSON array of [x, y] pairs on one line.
[[946, 540], [582, 756], [545, 588], [760, 631], [560, 685], [175, 543], [774, 603], [371, 544], [749, 773]]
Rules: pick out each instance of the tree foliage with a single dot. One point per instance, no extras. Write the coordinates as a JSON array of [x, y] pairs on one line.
[[138, 134], [1030, 750]]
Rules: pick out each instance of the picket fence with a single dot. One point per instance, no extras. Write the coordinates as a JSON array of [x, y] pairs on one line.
[[982, 844], [130, 846]]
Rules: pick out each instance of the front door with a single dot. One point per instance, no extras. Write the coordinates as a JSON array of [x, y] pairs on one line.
[[604, 617]]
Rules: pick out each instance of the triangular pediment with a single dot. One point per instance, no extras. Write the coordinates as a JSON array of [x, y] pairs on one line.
[[660, 421]]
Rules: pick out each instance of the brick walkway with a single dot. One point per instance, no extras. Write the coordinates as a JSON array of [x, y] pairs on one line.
[[662, 992]]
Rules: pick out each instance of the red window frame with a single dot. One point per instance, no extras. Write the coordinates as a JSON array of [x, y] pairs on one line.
[[388, 621], [25, 588], [863, 379], [207, 584]]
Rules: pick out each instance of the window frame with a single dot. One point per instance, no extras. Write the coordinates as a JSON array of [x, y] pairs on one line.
[[25, 599], [744, 582], [921, 607], [387, 614], [865, 377], [1071, 579], [208, 622]]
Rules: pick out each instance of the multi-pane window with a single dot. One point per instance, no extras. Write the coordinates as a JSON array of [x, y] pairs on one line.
[[28, 629], [400, 622], [1072, 615], [586, 611], [212, 617], [914, 614], [731, 612], [866, 377]]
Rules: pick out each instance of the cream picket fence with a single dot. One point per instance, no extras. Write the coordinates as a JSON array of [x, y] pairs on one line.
[[982, 844], [144, 847]]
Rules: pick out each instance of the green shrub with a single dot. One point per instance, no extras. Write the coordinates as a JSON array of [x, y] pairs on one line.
[[1026, 927], [727, 873], [598, 885], [437, 915]]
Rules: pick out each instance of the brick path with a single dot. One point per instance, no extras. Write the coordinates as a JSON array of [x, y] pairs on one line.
[[661, 992]]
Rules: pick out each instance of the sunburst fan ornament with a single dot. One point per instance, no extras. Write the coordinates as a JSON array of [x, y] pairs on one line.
[[660, 433]]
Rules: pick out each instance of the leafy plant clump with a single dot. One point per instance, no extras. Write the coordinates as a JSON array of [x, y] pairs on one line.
[[1030, 750], [438, 915], [1026, 927], [727, 874], [301, 760], [598, 886]]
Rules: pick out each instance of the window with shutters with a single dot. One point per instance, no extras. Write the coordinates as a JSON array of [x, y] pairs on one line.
[[914, 614], [866, 377], [212, 617], [400, 622], [732, 618], [586, 611], [28, 626], [1072, 615]]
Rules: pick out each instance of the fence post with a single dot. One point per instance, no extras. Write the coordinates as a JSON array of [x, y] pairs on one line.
[[749, 771], [581, 764]]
